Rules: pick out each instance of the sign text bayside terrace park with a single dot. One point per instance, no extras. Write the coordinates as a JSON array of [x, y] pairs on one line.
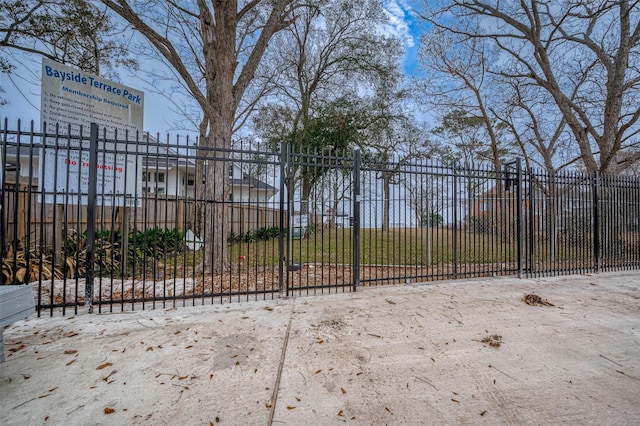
[[77, 77]]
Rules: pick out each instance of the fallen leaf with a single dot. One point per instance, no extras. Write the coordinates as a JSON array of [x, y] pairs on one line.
[[268, 405], [149, 349], [454, 400], [343, 391], [319, 371], [46, 418], [70, 352], [494, 340], [483, 413], [298, 399], [19, 348], [49, 393], [340, 413], [189, 347], [535, 300], [109, 410], [103, 366], [70, 362], [26, 376], [290, 407], [70, 334]]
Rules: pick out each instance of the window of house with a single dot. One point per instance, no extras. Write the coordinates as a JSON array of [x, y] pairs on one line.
[[144, 176], [160, 177], [190, 182], [159, 190]]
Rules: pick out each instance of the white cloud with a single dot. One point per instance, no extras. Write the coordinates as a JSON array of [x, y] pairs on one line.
[[397, 11]]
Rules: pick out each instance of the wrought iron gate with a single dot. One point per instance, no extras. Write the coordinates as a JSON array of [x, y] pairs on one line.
[[320, 201]]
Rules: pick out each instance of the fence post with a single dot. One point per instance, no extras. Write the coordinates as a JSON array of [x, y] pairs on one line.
[[3, 178], [356, 219], [531, 224], [519, 214], [283, 148], [455, 221], [91, 217], [596, 221]]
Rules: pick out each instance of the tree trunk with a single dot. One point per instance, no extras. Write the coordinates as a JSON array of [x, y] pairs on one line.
[[386, 202], [304, 197], [217, 219]]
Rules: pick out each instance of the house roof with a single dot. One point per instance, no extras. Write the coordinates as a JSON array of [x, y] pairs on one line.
[[252, 182]]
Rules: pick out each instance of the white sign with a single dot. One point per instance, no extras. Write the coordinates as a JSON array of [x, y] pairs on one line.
[[72, 100]]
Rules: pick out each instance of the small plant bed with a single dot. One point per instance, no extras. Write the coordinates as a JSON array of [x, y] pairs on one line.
[[25, 263]]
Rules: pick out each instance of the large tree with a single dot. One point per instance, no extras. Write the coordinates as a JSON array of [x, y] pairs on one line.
[[333, 54], [393, 141], [213, 47], [73, 32], [585, 54], [462, 91]]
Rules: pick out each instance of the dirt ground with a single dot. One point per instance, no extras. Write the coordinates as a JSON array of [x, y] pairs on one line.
[[460, 352]]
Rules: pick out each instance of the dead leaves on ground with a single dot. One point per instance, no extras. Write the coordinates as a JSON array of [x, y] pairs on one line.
[[532, 299], [494, 340]]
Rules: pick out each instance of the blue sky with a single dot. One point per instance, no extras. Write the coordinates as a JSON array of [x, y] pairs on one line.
[[23, 86], [408, 27]]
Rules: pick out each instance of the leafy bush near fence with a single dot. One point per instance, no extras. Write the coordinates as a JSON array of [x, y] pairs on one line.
[[22, 264], [262, 234], [155, 242]]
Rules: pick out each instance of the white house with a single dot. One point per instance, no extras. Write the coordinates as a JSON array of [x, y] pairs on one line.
[[162, 171]]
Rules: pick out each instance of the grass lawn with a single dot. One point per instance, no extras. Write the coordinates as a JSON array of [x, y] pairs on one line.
[[400, 246]]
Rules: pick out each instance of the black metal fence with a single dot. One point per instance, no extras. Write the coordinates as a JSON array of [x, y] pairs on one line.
[[129, 222]]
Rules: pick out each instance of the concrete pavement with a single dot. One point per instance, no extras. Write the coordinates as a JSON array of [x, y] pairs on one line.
[[459, 352]]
